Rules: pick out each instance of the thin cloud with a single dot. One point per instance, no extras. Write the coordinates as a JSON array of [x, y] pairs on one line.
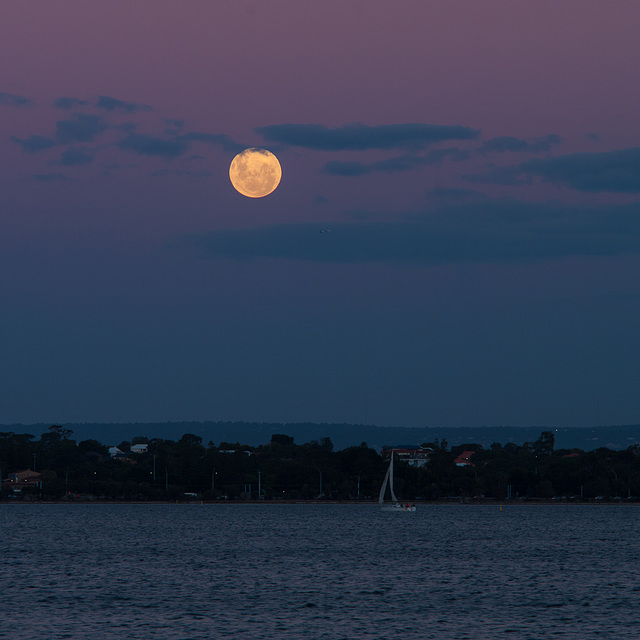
[[346, 168], [448, 193], [392, 165], [161, 173], [510, 176], [86, 127], [74, 156], [616, 171], [359, 137], [50, 177], [147, 145], [11, 100], [80, 128], [68, 103], [175, 123], [34, 144], [488, 231], [113, 104], [503, 144], [216, 139]]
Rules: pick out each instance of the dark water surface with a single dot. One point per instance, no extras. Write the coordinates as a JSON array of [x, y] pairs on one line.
[[328, 571]]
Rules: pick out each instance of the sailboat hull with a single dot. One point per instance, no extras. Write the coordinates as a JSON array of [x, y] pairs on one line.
[[397, 507]]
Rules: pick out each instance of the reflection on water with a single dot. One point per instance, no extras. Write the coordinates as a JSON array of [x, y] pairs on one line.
[[325, 571]]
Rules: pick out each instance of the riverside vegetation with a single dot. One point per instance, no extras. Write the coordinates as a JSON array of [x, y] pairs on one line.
[[282, 470]]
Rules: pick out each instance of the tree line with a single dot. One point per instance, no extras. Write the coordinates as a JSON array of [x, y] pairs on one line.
[[188, 469]]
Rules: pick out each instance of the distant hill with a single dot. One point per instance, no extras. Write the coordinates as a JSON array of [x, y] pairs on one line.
[[344, 435]]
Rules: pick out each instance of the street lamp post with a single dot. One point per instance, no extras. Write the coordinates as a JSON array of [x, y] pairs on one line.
[[320, 472]]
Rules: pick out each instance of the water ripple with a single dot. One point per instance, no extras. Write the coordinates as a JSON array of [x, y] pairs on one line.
[[174, 572]]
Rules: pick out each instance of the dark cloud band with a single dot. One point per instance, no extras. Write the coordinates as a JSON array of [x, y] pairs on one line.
[[486, 231], [615, 171], [359, 137]]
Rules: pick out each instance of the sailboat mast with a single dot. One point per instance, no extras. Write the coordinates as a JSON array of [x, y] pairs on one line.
[[393, 495], [384, 487]]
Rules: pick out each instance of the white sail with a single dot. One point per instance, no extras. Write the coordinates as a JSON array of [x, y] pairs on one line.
[[395, 504], [393, 495]]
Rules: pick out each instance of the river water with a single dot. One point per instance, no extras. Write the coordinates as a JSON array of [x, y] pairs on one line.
[[110, 571]]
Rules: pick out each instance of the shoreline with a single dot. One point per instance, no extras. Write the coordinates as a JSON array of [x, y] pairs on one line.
[[320, 503]]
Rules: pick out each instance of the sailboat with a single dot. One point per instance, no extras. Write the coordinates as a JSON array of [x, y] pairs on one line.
[[395, 504]]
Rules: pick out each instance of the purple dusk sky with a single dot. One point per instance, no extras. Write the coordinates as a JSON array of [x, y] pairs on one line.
[[455, 240]]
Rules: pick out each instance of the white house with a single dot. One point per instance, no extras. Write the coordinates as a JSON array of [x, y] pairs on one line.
[[139, 448]]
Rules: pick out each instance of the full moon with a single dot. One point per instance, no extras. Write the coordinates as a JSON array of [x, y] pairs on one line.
[[255, 173]]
